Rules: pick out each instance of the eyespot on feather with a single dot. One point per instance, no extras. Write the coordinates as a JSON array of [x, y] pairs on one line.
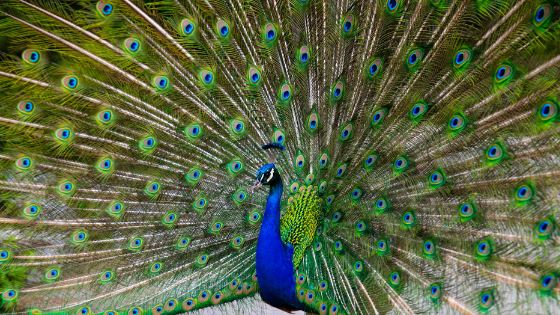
[[254, 75], [153, 188], [24, 163], [161, 82], [323, 160], [348, 24], [200, 204], [313, 122], [381, 205], [323, 286], [169, 219], [382, 247], [206, 77], [504, 74], [222, 29], [86, 310], [309, 179], [309, 297], [203, 296], [31, 211], [356, 194], [279, 136], [217, 297], [393, 6], [548, 282], [524, 193], [233, 284], [377, 117], [132, 45], [395, 278], [301, 279], [240, 196], [374, 67], [107, 276], [104, 8], [318, 246], [346, 132], [270, 33], [147, 144], [322, 306], [414, 58], [135, 311], [361, 227], [187, 27], [329, 200], [66, 188], [157, 310], [300, 161], [495, 153], [26, 108], [79, 237], [486, 300], [467, 211], [400, 164], [408, 219], [135, 244], [285, 93], [418, 110], [5, 255], [64, 134], [155, 267], [105, 117], [456, 123], [31, 56], [216, 227], [429, 248], [304, 55], [52, 274], [323, 186], [254, 217], [370, 160], [337, 91], [170, 305], [462, 58], [548, 112], [436, 179], [545, 228], [70, 83], [183, 243], [294, 187], [237, 242], [483, 249], [188, 304], [542, 15], [338, 247], [194, 175], [105, 165], [435, 292], [237, 126]]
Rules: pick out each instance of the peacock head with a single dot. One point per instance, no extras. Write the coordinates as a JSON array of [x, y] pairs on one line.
[[267, 175]]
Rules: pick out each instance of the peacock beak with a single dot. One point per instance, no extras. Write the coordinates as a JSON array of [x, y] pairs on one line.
[[256, 186]]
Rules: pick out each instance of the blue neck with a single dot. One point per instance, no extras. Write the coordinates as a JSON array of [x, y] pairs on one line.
[[275, 270]]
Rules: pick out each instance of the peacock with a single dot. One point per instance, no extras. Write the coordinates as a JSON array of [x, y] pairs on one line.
[[334, 157]]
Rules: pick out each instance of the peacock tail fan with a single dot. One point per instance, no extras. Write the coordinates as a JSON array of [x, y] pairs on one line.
[[420, 170]]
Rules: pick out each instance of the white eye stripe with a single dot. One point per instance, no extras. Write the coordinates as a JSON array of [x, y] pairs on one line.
[[260, 180], [270, 177]]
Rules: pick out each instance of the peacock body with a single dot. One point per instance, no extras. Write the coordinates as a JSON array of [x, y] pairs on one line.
[[410, 161]]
